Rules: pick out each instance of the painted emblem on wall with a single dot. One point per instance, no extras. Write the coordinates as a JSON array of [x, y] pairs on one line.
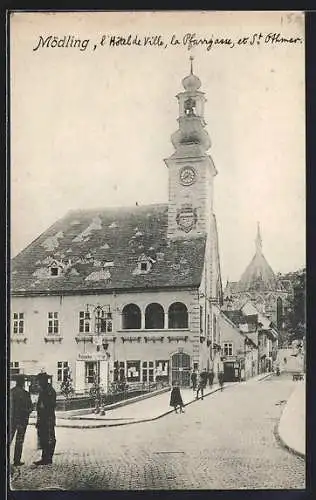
[[186, 218]]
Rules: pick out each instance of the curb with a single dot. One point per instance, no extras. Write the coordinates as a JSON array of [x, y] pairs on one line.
[[266, 375], [151, 419], [283, 444], [73, 414], [119, 424], [141, 397], [281, 441]]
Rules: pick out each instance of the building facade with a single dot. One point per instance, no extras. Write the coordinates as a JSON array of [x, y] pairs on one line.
[[261, 331], [127, 293], [239, 347]]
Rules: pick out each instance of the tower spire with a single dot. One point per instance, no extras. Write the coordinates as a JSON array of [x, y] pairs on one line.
[[258, 240], [191, 61]]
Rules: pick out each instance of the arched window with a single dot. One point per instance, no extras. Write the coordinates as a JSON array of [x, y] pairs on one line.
[[177, 316], [131, 317], [189, 106], [260, 303], [279, 312], [154, 316]]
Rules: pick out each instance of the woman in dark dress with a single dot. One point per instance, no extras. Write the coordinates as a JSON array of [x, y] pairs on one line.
[[176, 398]]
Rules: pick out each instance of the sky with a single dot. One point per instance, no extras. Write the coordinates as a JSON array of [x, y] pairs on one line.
[[91, 128]]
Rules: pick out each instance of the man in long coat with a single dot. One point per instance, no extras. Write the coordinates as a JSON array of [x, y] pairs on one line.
[[194, 379], [46, 420], [202, 384], [221, 379], [20, 409]]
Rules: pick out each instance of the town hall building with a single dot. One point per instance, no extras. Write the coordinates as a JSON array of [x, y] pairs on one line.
[[129, 293]]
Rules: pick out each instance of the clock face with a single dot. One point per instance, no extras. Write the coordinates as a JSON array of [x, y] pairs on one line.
[[187, 176]]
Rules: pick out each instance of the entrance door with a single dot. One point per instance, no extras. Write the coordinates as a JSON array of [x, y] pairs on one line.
[[230, 372], [180, 369]]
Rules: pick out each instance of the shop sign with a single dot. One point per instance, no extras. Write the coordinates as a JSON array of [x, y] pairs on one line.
[[92, 356]]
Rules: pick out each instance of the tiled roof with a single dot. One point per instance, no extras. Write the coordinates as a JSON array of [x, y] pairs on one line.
[[239, 318], [102, 249], [258, 276], [236, 317], [251, 318]]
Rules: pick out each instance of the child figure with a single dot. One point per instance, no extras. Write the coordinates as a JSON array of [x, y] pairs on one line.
[[176, 398]]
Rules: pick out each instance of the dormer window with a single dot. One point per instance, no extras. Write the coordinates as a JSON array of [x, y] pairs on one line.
[[144, 266], [55, 268], [54, 271]]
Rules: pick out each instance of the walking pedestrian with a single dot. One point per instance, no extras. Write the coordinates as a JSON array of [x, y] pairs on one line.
[[46, 420], [221, 380], [202, 384], [211, 378], [194, 379], [20, 409], [176, 398]]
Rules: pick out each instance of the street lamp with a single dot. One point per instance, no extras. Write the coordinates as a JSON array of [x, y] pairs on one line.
[[102, 325]]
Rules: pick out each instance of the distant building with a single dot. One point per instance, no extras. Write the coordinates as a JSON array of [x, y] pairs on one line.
[[239, 346], [262, 332], [270, 294], [129, 293]]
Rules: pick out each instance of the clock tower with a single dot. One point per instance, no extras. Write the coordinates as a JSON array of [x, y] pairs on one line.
[[191, 169]]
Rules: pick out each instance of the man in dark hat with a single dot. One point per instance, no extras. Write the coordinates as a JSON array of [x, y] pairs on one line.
[[46, 419], [211, 378], [202, 384], [20, 409], [194, 379], [220, 377]]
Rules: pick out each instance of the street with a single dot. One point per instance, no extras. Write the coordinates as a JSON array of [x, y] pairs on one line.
[[226, 441]]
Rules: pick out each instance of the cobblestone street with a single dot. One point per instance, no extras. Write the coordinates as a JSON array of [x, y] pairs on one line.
[[226, 441]]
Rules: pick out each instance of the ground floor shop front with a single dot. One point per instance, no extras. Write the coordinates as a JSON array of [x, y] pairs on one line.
[[135, 364], [174, 368], [240, 368]]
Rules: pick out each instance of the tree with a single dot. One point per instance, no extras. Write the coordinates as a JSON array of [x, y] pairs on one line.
[[295, 321], [66, 387]]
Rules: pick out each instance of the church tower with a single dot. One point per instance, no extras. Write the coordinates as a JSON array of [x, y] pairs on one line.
[[191, 169]]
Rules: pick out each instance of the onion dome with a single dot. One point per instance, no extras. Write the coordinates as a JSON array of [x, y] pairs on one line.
[[191, 133], [191, 82]]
